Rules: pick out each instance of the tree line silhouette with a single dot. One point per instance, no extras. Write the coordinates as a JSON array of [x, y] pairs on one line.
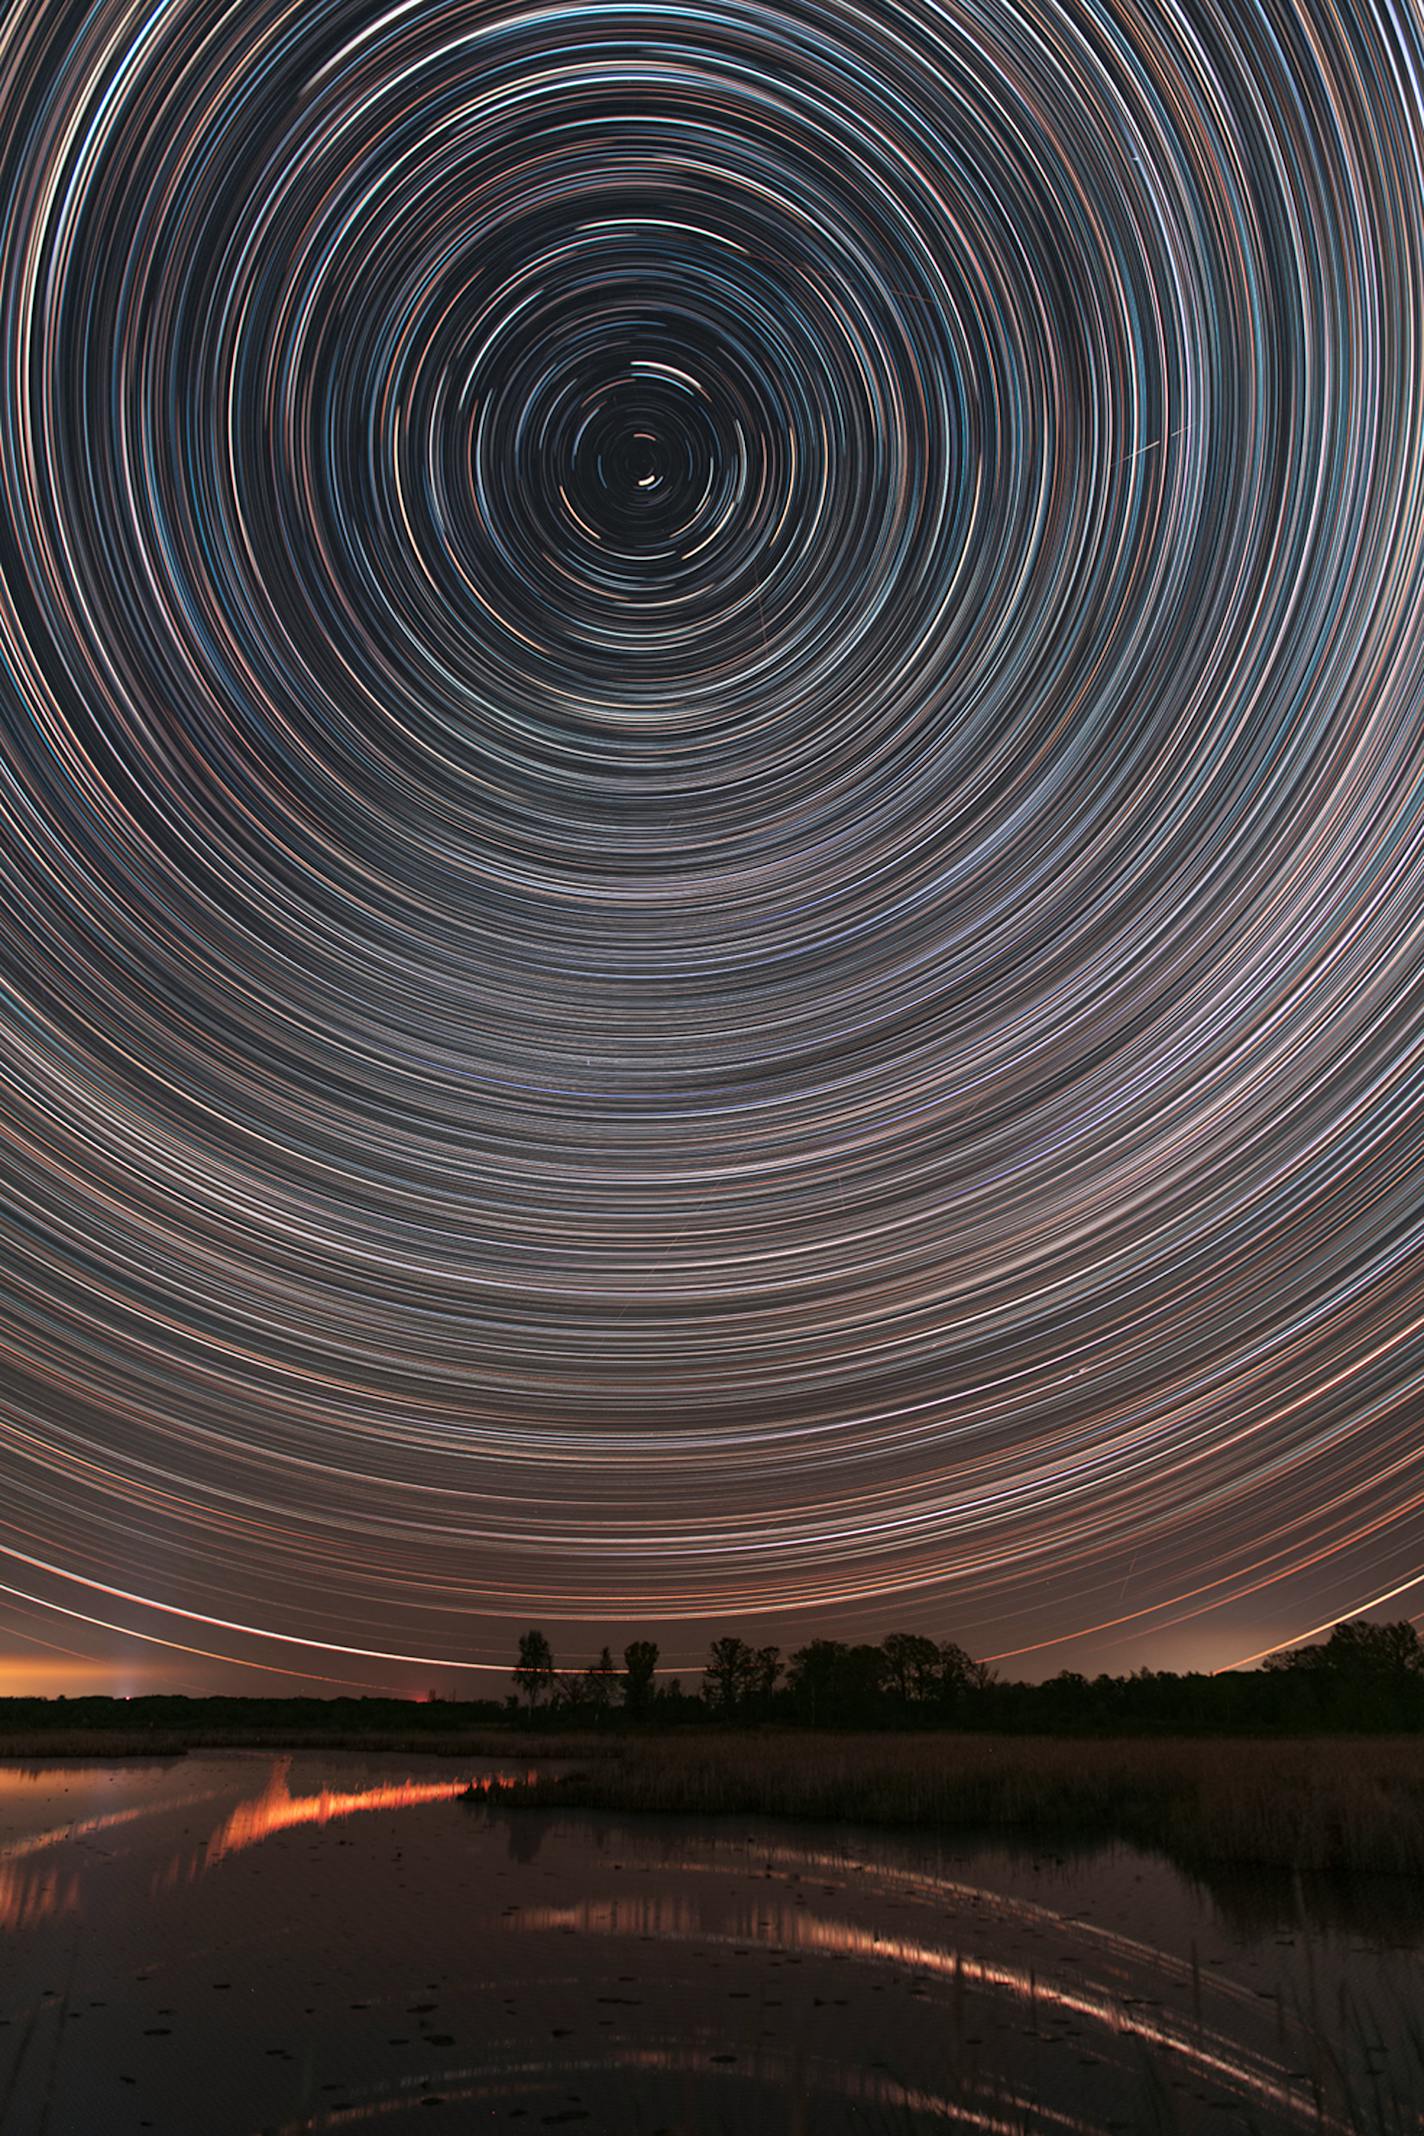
[[1365, 1676]]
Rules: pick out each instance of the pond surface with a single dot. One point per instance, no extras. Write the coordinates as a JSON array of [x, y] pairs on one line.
[[240, 1943]]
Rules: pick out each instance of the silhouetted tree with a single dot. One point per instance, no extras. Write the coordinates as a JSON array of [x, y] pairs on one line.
[[1364, 1676], [763, 1674], [912, 1666], [534, 1670], [728, 1676], [812, 1677], [600, 1681], [960, 1673], [640, 1661], [1357, 1648], [588, 1691], [569, 1693], [832, 1682]]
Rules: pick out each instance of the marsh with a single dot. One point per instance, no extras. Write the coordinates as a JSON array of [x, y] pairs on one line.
[[244, 1942]]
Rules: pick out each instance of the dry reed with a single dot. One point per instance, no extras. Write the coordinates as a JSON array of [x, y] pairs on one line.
[[1336, 1803]]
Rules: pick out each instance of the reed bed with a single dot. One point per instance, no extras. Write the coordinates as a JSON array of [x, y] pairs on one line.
[[1352, 1803], [1343, 1803]]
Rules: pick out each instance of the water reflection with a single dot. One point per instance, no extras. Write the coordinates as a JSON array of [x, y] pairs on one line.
[[29, 1895], [381, 1942], [802, 2085], [277, 1809], [1385, 1911], [1039, 1996], [31, 1891]]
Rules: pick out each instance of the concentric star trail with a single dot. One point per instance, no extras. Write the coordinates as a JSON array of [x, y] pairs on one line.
[[711, 728]]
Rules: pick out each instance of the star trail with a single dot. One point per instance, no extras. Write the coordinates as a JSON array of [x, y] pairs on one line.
[[711, 722]]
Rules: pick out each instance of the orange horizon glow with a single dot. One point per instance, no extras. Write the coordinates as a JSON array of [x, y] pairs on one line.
[[38, 1676]]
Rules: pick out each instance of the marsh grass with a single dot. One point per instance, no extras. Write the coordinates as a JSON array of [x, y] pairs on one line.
[[1327, 1804], [1331, 1803]]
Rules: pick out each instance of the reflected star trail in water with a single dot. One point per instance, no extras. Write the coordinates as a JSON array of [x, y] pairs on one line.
[[711, 746]]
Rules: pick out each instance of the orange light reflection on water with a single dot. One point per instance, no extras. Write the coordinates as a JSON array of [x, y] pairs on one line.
[[27, 1897], [278, 1810], [30, 1894]]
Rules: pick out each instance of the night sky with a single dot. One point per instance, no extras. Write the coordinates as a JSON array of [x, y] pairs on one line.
[[712, 727]]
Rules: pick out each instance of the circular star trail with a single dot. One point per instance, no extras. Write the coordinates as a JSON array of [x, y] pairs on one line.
[[712, 733]]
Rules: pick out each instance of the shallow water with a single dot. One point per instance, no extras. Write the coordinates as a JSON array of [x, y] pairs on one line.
[[239, 1943]]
